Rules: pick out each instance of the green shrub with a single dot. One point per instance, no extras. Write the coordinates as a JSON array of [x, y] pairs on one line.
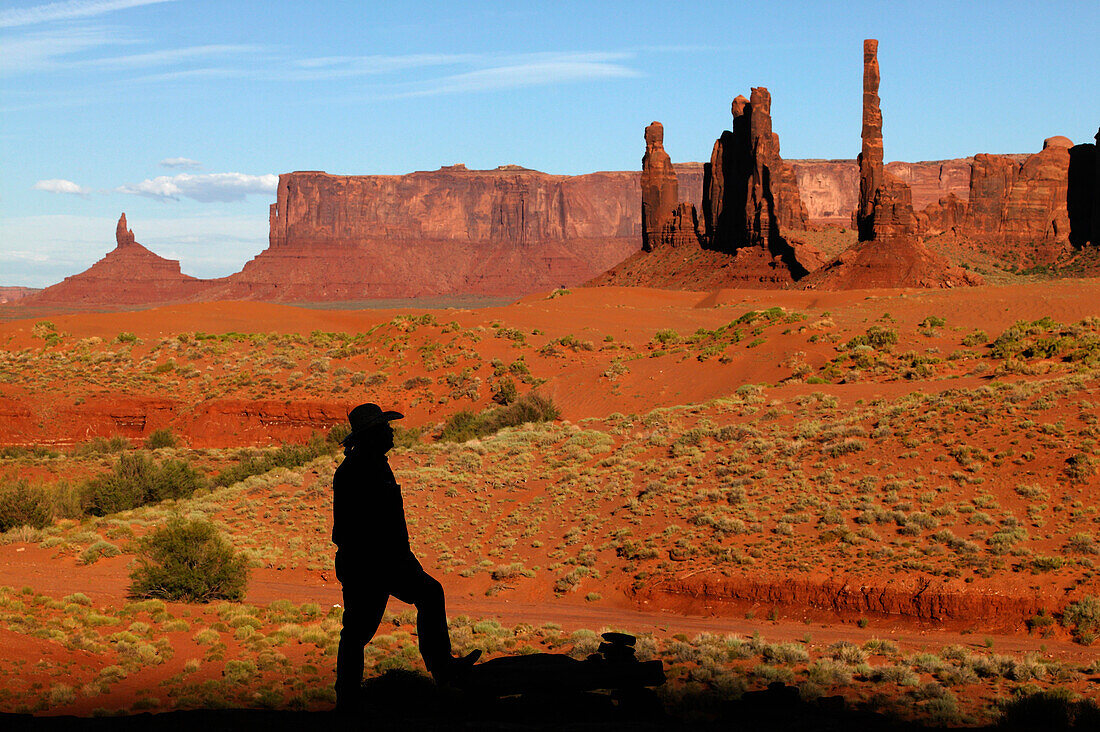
[[189, 561], [1083, 617], [287, 456], [137, 480], [22, 504], [464, 425], [163, 437], [1052, 709], [876, 337], [102, 446]]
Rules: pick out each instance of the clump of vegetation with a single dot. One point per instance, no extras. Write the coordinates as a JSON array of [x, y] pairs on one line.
[[1083, 617], [22, 504], [465, 425], [189, 561], [163, 437], [137, 480], [287, 456], [877, 337], [103, 446]]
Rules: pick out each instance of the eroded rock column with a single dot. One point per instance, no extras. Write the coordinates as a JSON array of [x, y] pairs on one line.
[[660, 190], [870, 157]]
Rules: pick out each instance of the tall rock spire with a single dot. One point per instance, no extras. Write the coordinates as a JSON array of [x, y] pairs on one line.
[[870, 157], [123, 236], [660, 189]]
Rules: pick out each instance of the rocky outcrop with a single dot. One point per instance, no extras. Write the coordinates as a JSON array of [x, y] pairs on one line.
[[128, 275], [1013, 205], [1083, 198], [750, 197], [870, 157], [1096, 192], [448, 232], [944, 215], [830, 188], [889, 253], [660, 190], [11, 294]]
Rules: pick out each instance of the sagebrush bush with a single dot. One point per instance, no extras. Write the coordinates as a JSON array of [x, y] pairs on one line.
[[189, 561], [464, 425], [287, 456], [163, 437], [22, 504], [137, 480]]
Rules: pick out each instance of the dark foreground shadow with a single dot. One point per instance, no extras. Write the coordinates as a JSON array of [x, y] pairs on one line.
[[609, 690]]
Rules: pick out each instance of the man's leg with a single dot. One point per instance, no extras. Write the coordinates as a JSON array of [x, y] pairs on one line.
[[413, 585], [364, 607]]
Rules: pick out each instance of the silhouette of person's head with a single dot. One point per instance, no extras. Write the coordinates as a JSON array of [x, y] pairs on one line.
[[370, 428]]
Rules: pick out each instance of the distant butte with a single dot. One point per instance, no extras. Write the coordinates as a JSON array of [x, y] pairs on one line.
[[128, 275]]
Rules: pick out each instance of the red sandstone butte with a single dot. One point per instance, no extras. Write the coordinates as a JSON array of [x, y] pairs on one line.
[[453, 231], [129, 274], [750, 197], [11, 293], [1014, 205]]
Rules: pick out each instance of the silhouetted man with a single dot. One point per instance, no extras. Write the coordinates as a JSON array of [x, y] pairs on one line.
[[373, 559]]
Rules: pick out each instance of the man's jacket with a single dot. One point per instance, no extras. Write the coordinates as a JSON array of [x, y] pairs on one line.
[[368, 515]]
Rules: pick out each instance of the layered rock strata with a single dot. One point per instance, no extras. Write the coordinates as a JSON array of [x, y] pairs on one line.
[[129, 274], [453, 231], [1015, 204]]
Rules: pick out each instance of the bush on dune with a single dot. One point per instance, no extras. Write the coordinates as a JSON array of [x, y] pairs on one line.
[[287, 456], [137, 480], [465, 425], [189, 561], [22, 504]]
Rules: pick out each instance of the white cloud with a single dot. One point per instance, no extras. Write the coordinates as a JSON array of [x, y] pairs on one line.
[[165, 57], [60, 185], [206, 188], [47, 50], [186, 163], [67, 11]]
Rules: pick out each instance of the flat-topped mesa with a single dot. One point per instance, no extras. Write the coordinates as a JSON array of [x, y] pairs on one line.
[[129, 274], [123, 236], [870, 157], [660, 190], [750, 196], [452, 231]]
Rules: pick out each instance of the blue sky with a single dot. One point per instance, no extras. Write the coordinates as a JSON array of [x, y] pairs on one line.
[[182, 112]]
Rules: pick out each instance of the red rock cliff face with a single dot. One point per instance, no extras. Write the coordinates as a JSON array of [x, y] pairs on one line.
[[129, 274], [1021, 204], [453, 231]]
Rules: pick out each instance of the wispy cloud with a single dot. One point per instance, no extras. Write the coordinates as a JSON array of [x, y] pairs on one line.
[[206, 188], [341, 67], [60, 185], [538, 70], [165, 57], [67, 11], [43, 50], [184, 163]]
